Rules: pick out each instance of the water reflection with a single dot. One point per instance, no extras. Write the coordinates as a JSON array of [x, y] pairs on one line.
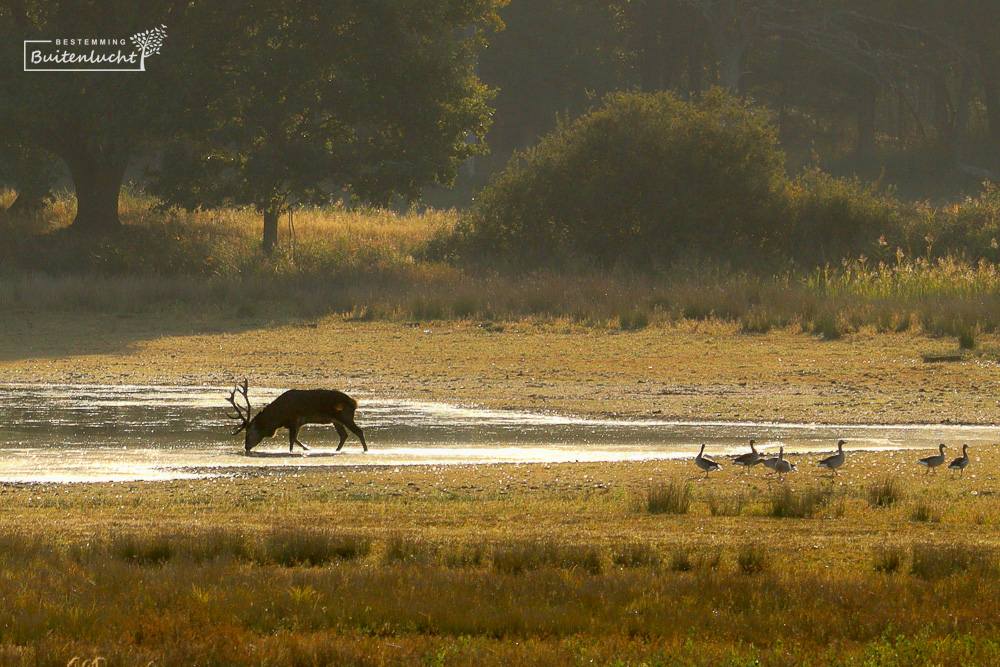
[[101, 433]]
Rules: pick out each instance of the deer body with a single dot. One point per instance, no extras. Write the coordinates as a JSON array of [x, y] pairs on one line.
[[294, 409]]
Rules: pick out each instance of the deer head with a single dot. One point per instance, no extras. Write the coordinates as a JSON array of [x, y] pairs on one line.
[[253, 433]]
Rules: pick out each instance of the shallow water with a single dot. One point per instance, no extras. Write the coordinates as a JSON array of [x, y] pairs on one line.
[[80, 433]]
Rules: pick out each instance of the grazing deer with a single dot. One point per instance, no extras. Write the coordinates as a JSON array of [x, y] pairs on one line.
[[294, 409]]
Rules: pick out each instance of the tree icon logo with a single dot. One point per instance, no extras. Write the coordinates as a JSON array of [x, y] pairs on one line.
[[148, 43]]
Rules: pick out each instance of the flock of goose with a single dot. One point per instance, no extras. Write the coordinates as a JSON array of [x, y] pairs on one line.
[[779, 465]]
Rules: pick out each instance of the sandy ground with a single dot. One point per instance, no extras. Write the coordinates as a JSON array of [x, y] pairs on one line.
[[697, 371]]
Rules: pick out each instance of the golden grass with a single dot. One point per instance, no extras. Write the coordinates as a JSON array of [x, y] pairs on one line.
[[529, 563], [381, 265]]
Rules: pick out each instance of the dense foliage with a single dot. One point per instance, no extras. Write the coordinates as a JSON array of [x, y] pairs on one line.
[[260, 104], [648, 178]]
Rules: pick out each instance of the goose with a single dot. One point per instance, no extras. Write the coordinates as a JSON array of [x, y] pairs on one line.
[[933, 461], [770, 462], [961, 462], [835, 461], [782, 466], [705, 463], [749, 459]]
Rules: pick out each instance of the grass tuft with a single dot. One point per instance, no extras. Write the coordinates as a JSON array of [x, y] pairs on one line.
[[924, 513], [935, 561], [786, 503], [888, 559], [142, 549], [752, 558], [524, 556], [635, 554], [305, 547], [668, 498], [726, 504], [885, 492]]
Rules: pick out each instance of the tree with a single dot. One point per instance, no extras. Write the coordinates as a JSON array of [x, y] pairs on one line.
[[31, 172], [366, 101], [552, 58], [96, 122], [275, 101]]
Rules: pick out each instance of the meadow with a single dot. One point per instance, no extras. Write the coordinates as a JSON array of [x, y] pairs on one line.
[[614, 564]]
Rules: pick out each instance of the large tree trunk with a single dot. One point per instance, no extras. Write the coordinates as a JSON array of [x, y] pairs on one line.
[[270, 230], [97, 177], [730, 67]]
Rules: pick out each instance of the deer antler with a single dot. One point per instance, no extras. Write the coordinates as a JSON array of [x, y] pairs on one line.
[[243, 417]]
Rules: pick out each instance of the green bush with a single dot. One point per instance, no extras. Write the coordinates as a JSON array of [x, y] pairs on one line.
[[832, 218], [638, 181], [647, 178]]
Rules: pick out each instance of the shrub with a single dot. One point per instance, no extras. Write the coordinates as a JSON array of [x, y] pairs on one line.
[[833, 218], [638, 181], [969, 229]]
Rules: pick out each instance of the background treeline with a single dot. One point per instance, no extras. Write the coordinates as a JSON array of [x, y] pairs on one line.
[[904, 90]]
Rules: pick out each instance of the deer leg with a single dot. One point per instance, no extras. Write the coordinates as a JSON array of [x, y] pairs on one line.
[[342, 432], [349, 423], [293, 437]]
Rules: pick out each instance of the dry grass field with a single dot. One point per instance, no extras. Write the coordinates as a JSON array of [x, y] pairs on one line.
[[615, 564]]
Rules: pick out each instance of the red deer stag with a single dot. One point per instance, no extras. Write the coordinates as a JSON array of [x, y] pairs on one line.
[[294, 409]]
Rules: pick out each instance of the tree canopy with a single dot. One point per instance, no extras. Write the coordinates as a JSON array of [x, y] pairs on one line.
[[267, 104]]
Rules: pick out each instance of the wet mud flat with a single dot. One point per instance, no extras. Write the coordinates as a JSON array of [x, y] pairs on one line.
[[101, 433]]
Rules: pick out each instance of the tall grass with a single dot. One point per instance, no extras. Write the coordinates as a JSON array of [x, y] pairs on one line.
[[380, 265]]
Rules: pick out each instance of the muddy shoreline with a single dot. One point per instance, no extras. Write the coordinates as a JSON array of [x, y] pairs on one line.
[[689, 372]]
